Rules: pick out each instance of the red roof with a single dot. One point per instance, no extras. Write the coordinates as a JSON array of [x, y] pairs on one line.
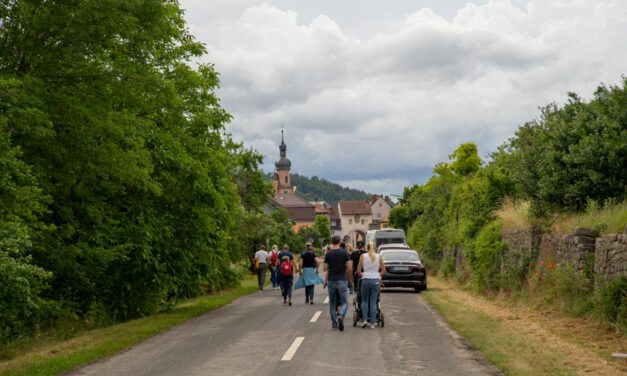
[[354, 207], [287, 200]]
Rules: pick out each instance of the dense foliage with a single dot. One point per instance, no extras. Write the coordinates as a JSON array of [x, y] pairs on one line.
[[120, 188], [319, 189], [572, 157]]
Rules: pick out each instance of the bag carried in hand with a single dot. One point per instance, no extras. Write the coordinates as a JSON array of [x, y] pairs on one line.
[[286, 269]]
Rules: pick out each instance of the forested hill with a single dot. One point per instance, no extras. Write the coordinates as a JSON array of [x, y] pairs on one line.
[[315, 188]]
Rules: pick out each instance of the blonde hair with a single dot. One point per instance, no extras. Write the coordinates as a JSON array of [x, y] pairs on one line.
[[275, 247], [371, 252]]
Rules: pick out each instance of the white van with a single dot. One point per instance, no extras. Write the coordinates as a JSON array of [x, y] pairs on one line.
[[385, 236]]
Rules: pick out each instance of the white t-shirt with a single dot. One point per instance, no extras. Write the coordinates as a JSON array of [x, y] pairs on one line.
[[371, 269], [262, 256]]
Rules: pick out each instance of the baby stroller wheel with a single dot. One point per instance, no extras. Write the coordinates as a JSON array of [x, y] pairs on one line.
[[381, 320], [354, 319]]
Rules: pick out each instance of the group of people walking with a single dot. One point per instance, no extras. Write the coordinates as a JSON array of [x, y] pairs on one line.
[[342, 269]]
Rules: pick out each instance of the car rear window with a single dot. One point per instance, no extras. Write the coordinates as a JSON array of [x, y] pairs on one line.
[[400, 256]]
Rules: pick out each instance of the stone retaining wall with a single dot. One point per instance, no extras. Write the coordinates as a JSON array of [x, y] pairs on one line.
[[583, 249], [610, 258]]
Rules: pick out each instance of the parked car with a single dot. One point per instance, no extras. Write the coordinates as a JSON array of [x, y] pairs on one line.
[[403, 268], [385, 236], [393, 246]]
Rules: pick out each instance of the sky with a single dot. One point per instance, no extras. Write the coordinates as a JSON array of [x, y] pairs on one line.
[[372, 94]]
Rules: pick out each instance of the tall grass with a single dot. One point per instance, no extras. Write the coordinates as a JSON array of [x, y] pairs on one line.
[[611, 217], [514, 214], [608, 218]]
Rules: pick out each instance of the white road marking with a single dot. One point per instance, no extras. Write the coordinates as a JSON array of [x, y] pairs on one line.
[[292, 350], [315, 316], [326, 300]]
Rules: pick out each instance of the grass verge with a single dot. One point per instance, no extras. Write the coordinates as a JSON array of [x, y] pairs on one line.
[[522, 341], [53, 357]]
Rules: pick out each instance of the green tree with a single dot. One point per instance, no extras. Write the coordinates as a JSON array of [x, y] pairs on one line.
[[322, 224], [126, 136]]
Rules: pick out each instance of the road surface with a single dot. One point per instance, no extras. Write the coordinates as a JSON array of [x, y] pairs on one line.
[[258, 335]]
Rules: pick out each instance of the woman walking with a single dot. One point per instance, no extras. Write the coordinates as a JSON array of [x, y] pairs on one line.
[[274, 267], [372, 265], [309, 277], [287, 278]]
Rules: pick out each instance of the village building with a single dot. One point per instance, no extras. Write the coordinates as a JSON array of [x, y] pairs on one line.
[[356, 218], [299, 211], [380, 206]]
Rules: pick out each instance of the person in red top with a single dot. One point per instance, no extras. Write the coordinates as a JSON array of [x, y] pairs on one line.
[[287, 279], [274, 267]]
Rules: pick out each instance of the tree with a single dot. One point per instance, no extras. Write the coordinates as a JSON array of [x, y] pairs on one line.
[[322, 224]]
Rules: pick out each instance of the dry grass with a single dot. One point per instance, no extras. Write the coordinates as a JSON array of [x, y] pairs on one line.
[[522, 341], [514, 214], [608, 220]]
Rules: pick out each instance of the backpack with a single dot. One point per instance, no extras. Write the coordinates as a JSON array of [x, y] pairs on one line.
[[286, 269], [274, 258]]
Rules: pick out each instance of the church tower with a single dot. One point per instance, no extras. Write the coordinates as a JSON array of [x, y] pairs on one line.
[[282, 176]]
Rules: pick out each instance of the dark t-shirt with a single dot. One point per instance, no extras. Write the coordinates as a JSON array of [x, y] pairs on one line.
[[309, 259], [336, 259], [285, 253], [355, 259]]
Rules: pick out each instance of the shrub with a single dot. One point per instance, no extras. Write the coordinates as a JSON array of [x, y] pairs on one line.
[[611, 303], [484, 255], [560, 286], [21, 308]]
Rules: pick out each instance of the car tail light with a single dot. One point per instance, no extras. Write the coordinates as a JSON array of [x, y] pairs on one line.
[[419, 267]]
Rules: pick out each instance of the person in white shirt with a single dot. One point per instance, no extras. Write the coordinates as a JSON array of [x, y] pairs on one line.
[[372, 264], [262, 257]]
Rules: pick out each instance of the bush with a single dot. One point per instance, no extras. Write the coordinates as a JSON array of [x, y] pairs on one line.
[[484, 255], [21, 308], [611, 303], [561, 286]]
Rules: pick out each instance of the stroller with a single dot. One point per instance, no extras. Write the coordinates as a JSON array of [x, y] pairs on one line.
[[357, 313]]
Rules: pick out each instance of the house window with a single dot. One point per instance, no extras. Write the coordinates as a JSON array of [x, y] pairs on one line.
[[378, 215], [363, 221], [357, 218], [380, 204], [350, 221], [333, 223], [285, 179]]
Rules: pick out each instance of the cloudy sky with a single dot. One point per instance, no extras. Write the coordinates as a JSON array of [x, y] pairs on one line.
[[373, 93]]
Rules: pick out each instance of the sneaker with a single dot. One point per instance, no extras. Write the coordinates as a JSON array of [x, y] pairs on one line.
[[340, 323], [290, 303], [371, 326], [334, 325], [311, 302], [363, 324]]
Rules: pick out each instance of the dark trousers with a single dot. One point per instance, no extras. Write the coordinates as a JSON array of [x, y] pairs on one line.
[[286, 283], [261, 276], [309, 290]]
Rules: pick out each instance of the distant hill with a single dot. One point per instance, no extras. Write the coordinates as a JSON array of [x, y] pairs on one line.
[[314, 188]]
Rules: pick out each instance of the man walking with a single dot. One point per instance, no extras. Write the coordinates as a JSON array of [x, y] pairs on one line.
[[355, 255], [262, 257], [337, 266]]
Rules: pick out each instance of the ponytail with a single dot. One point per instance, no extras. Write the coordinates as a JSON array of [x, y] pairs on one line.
[[371, 253]]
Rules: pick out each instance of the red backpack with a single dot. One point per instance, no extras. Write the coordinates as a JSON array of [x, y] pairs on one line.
[[274, 258], [286, 269]]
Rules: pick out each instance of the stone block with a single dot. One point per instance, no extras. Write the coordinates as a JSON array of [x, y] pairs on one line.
[[582, 231]]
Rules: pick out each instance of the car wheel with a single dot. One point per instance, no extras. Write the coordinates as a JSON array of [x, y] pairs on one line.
[[417, 289]]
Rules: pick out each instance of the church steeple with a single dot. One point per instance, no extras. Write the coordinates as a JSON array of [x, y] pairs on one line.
[[284, 163], [283, 166]]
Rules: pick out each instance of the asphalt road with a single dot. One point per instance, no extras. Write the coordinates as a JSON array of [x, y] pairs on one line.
[[253, 336]]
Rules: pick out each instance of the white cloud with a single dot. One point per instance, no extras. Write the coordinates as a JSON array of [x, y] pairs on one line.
[[378, 112]]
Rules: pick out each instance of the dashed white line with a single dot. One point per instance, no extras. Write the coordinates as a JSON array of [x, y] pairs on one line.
[[326, 300], [292, 350], [315, 316]]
